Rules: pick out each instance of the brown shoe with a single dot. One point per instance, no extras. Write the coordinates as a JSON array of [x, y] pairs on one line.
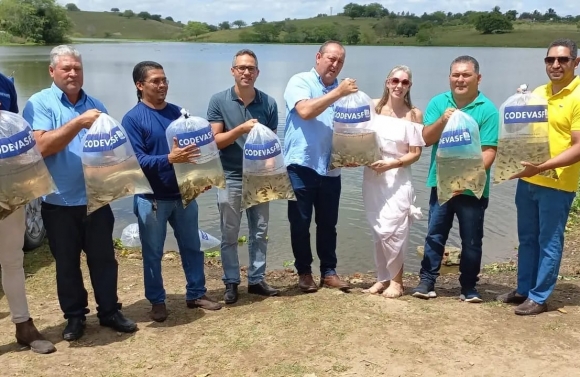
[[158, 312], [333, 281], [511, 297], [204, 302], [27, 335], [530, 307], [306, 283]]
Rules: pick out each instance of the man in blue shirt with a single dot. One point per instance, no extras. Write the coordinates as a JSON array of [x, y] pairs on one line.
[[12, 230], [309, 100], [60, 116], [145, 124], [232, 114]]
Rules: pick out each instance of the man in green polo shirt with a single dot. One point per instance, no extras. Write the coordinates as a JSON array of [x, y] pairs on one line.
[[464, 79]]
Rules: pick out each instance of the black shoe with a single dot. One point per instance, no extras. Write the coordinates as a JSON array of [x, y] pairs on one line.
[[231, 293], [118, 322], [75, 328], [262, 289]]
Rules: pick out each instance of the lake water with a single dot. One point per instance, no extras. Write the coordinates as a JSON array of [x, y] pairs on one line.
[[196, 71]]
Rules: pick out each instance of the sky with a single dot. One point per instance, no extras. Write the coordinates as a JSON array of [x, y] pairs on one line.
[[216, 11]]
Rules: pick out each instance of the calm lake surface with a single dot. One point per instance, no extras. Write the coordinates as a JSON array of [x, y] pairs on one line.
[[196, 71]]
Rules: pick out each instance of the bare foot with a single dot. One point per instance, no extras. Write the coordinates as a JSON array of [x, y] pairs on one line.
[[394, 290], [378, 287]]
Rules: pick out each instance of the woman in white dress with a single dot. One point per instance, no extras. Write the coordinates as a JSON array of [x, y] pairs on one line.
[[387, 190]]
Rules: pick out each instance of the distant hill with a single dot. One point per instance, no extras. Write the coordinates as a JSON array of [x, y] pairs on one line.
[[112, 25]]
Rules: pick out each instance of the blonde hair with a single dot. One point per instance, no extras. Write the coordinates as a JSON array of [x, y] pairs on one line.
[[385, 98]]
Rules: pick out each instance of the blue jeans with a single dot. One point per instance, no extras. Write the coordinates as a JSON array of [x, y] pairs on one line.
[[542, 216], [470, 212], [229, 204], [152, 217], [321, 193]]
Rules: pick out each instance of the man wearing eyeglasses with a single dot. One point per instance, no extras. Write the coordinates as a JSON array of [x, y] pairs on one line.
[[543, 203], [232, 114]]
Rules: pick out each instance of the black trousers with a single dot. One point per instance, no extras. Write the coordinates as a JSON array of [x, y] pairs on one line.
[[70, 231]]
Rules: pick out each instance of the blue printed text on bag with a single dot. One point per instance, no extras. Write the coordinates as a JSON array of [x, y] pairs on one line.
[[352, 115], [17, 144], [525, 114], [262, 151], [455, 138], [106, 141], [200, 137]]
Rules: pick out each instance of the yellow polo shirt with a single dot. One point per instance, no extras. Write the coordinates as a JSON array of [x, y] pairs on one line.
[[563, 118]]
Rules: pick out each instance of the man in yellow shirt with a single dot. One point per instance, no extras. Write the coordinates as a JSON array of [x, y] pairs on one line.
[[543, 203]]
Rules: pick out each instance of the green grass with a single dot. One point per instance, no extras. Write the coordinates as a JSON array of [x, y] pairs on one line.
[[111, 25]]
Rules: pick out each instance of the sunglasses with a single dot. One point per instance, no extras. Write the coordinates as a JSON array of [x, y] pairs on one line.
[[561, 59], [396, 81]]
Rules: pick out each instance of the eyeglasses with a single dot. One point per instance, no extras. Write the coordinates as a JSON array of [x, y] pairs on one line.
[[158, 82], [396, 81], [242, 68], [561, 59]]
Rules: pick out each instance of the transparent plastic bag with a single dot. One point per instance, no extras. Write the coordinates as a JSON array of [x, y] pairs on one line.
[[264, 177], [459, 159], [354, 142], [523, 135], [110, 166], [196, 178], [23, 173], [130, 238]]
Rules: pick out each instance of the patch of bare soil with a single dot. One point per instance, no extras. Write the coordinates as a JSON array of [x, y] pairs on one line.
[[328, 333]]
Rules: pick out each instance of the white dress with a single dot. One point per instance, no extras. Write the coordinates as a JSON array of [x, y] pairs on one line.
[[389, 196]]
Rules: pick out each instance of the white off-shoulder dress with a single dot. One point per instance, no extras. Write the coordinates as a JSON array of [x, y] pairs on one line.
[[389, 196]]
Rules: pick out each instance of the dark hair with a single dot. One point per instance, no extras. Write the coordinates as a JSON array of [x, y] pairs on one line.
[[322, 48], [140, 73], [465, 59], [245, 51], [565, 42]]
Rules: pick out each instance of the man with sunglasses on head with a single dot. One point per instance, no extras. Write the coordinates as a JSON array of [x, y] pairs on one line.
[[232, 114], [543, 203]]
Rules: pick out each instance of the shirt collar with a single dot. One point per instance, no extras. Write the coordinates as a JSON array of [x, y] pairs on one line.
[[569, 88], [62, 97], [477, 101], [326, 87], [234, 95]]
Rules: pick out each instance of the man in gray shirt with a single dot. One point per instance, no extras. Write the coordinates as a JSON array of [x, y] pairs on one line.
[[232, 114]]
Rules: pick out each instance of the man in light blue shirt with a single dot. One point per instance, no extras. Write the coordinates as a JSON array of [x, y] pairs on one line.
[[60, 116], [309, 98]]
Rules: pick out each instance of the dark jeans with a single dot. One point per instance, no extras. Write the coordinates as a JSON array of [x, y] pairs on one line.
[[322, 194], [70, 231], [470, 212]]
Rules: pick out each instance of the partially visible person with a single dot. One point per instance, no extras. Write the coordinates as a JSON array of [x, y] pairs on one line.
[[12, 230], [464, 95], [232, 114], [388, 193], [543, 204], [60, 116], [145, 124], [310, 97]]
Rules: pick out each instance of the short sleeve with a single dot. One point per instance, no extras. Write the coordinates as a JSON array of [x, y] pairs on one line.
[[414, 132], [432, 112], [575, 117], [37, 115], [489, 129], [297, 90], [214, 113], [273, 116]]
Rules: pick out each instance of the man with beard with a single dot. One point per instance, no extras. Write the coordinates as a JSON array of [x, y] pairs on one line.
[[60, 117], [145, 125], [232, 114], [543, 203], [310, 97]]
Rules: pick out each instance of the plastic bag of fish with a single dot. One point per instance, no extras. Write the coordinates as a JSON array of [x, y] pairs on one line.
[[264, 176], [206, 171], [23, 173], [523, 135], [459, 161], [354, 142], [110, 166]]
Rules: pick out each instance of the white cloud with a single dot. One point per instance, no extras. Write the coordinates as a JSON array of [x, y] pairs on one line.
[[215, 11]]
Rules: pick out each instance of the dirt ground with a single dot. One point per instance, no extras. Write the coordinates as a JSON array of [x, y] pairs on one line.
[[328, 333]]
